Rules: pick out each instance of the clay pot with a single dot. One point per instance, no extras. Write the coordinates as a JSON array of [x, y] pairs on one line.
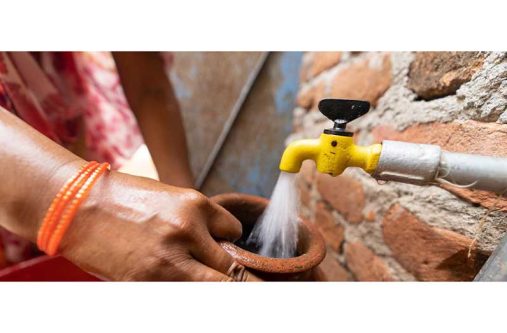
[[311, 247]]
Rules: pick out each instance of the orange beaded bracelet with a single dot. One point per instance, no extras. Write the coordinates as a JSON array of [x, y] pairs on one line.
[[59, 202], [65, 205]]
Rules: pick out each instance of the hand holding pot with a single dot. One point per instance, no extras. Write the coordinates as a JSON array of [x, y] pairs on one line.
[[132, 228], [128, 228]]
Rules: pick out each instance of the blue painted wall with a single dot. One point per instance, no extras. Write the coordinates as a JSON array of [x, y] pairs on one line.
[[249, 159]]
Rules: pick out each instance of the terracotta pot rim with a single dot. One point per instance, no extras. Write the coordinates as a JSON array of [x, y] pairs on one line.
[[311, 258]]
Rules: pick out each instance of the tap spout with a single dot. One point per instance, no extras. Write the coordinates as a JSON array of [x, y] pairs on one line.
[[298, 151], [332, 155]]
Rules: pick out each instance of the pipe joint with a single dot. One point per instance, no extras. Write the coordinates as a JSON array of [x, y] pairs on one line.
[[408, 162]]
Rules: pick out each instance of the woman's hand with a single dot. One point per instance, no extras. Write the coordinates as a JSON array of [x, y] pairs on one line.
[[133, 228], [129, 228]]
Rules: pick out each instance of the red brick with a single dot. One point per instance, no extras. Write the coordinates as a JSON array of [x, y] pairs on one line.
[[485, 199], [365, 265], [309, 97], [430, 253], [344, 193], [305, 97], [332, 232], [459, 137], [455, 136], [322, 61], [304, 182], [304, 194], [363, 80], [437, 74], [315, 63], [308, 171], [332, 270]]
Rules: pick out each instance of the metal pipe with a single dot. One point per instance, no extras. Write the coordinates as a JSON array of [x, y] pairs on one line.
[[423, 164], [475, 171]]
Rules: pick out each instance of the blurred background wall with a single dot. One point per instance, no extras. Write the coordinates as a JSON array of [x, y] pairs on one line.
[[237, 109]]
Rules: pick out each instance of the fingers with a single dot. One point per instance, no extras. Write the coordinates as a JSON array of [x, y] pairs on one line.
[[199, 272], [239, 273], [195, 271], [213, 255], [223, 225]]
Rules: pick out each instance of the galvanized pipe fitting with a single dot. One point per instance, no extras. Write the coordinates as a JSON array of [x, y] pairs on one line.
[[408, 162], [424, 164]]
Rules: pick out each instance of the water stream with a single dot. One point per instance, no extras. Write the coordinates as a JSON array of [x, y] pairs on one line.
[[276, 231]]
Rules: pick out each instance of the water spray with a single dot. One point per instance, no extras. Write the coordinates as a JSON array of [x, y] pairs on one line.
[[419, 164]]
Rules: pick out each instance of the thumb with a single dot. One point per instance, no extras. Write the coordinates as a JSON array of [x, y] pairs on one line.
[[223, 225]]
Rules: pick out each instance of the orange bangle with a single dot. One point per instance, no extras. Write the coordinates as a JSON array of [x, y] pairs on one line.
[[59, 202], [71, 209]]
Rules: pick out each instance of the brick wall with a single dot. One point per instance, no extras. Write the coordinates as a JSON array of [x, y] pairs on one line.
[[397, 231]]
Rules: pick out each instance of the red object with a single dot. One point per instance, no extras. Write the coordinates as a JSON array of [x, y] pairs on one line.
[[46, 268]]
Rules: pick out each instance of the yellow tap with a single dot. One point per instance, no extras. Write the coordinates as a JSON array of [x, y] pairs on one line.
[[335, 150], [332, 154]]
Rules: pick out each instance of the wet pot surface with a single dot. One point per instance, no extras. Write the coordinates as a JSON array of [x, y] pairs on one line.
[[311, 248]]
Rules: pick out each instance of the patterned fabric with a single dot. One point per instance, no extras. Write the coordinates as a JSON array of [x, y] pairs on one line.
[[55, 92]]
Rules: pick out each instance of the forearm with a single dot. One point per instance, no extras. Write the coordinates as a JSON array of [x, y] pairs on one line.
[[128, 228], [162, 127], [33, 168], [151, 98]]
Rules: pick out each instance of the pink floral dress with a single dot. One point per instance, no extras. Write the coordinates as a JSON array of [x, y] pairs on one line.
[[55, 92]]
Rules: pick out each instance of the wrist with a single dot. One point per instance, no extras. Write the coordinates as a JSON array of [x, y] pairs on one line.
[[36, 198], [102, 236], [89, 211]]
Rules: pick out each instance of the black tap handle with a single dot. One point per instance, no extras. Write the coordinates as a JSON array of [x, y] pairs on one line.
[[341, 112]]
